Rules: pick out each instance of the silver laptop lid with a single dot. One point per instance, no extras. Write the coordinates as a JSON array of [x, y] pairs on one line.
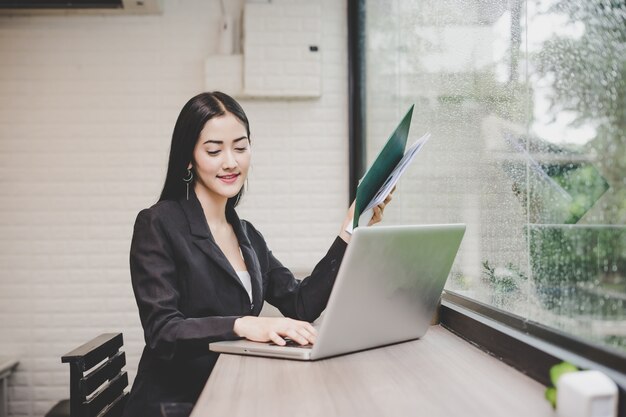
[[388, 286]]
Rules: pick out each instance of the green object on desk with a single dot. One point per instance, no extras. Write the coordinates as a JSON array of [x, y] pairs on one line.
[[383, 165], [551, 396], [556, 372]]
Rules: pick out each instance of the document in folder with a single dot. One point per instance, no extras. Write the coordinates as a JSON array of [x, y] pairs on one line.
[[386, 170]]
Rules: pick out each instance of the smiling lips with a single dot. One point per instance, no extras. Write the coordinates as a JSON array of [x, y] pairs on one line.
[[228, 179]]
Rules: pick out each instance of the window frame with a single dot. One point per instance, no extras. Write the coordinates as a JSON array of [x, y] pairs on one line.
[[528, 346], [356, 95]]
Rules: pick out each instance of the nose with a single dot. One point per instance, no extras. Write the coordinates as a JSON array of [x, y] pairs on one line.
[[229, 162]]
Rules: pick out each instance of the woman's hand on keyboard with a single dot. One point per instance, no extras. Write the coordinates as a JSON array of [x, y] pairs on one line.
[[274, 329]]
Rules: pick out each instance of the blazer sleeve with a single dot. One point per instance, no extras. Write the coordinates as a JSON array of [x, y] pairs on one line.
[[306, 299], [167, 331]]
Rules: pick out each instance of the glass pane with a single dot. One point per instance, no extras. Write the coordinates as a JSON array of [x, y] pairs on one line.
[[525, 101], [577, 240]]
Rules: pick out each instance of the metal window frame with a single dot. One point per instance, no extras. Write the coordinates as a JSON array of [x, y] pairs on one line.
[[356, 94]]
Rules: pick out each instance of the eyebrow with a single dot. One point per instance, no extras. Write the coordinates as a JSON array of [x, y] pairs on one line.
[[219, 142]]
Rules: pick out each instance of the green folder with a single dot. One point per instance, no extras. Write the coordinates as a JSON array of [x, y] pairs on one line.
[[384, 164]]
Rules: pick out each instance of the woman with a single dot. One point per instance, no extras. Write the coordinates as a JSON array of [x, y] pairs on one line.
[[200, 274]]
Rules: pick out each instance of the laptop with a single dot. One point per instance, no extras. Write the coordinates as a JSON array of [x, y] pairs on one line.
[[386, 291]]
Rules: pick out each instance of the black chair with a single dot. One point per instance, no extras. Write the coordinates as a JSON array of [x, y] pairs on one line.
[[97, 380]]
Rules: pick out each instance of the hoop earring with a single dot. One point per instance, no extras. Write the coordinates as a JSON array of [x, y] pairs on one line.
[[187, 180]]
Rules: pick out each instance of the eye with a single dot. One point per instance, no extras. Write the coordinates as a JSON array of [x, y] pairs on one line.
[[212, 153], [241, 149]]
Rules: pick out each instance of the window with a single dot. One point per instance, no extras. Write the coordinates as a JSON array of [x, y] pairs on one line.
[[525, 101]]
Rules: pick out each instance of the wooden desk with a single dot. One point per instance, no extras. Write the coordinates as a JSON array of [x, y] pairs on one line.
[[438, 375], [7, 365]]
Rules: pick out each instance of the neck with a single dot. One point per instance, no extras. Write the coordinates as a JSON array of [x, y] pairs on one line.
[[213, 206]]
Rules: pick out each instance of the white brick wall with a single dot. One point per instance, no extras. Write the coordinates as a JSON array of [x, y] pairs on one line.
[[87, 107]]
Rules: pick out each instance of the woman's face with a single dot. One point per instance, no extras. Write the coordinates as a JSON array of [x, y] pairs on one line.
[[221, 157]]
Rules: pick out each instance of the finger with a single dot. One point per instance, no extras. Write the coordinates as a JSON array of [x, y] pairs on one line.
[[274, 337], [376, 217], [310, 328], [306, 330], [310, 337], [294, 335], [388, 198]]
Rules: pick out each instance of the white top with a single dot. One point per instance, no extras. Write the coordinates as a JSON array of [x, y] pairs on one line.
[[244, 277]]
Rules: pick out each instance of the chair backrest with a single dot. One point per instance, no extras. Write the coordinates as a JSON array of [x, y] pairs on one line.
[[97, 381]]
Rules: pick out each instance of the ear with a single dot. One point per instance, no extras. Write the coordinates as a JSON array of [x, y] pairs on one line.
[[189, 166]]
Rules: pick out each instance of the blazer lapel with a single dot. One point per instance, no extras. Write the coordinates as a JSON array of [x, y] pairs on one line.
[[249, 257], [199, 228]]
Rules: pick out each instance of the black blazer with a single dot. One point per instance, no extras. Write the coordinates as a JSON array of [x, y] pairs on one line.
[[188, 295]]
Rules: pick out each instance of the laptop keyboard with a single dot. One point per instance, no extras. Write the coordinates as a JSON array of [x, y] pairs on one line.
[[293, 343]]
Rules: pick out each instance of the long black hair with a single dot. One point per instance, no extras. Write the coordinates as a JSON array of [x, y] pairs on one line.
[[190, 122]]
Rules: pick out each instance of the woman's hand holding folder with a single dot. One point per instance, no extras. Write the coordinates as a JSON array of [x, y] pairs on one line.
[[377, 217]]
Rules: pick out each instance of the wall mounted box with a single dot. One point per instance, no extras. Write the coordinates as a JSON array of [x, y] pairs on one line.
[[282, 49], [281, 53]]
